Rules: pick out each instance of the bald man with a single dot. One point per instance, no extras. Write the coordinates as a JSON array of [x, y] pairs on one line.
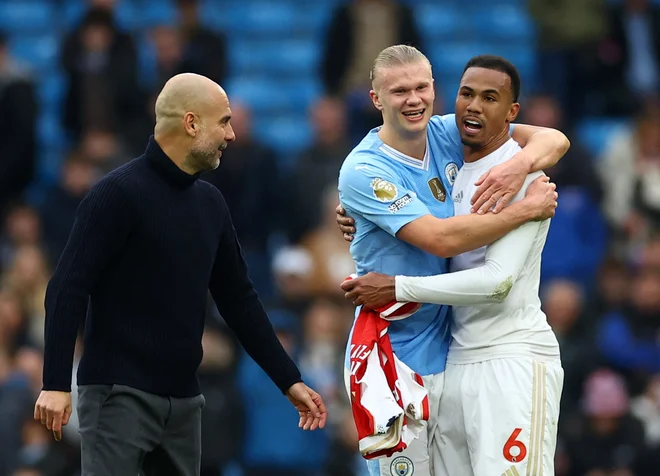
[[148, 242]]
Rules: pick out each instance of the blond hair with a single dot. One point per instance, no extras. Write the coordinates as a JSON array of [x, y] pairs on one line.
[[397, 55]]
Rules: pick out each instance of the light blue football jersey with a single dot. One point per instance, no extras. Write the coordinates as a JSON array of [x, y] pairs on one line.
[[383, 190]]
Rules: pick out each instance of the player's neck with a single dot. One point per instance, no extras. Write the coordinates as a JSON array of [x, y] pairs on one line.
[[412, 146], [472, 154]]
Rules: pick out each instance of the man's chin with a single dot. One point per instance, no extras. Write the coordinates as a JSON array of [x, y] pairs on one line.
[[471, 142]]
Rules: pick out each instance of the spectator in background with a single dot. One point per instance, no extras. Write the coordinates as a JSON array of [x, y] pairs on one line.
[[630, 340], [569, 32], [358, 31], [611, 441], [224, 414], [577, 238], [204, 51], [100, 63], [329, 252], [58, 210], [630, 172], [17, 128], [249, 179], [318, 166], [27, 279], [286, 451], [22, 227], [629, 57], [564, 303]]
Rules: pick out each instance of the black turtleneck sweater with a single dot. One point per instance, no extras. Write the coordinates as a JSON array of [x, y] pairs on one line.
[[148, 242]]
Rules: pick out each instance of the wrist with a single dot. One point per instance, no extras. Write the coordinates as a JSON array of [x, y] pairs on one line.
[[527, 161], [523, 211]]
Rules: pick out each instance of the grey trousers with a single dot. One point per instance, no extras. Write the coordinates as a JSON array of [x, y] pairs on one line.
[[126, 432]]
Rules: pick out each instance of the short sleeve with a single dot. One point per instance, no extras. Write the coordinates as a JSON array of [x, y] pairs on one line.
[[379, 196]]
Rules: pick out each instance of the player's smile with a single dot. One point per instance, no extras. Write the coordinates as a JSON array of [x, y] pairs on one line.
[[414, 115]]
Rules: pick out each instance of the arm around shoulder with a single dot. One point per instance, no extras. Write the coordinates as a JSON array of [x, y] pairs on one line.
[[542, 147]]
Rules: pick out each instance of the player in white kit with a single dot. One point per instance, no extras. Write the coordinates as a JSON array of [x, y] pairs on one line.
[[503, 381]]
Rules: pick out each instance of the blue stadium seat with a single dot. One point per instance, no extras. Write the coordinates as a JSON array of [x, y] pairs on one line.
[[214, 16], [595, 133], [161, 12], [267, 56], [503, 23], [263, 95], [40, 52], [49, 130], [450, 58], [263, 17], [288, 135], [438, 21], [27, 16], [51, 89]]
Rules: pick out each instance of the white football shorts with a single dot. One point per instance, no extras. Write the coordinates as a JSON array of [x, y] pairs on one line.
[[499, 417]]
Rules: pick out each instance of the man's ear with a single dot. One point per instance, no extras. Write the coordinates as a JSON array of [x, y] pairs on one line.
[[375, 99]]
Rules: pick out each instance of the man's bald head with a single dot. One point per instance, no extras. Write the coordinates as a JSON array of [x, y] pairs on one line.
[[186, 93]]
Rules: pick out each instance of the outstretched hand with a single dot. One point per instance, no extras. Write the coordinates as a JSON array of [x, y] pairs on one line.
[[310, 406]]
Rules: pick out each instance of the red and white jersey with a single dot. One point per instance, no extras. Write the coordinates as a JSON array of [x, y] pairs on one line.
[[388, 399]]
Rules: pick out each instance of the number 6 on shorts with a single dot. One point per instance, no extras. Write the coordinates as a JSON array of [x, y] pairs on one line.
[[513, 443]]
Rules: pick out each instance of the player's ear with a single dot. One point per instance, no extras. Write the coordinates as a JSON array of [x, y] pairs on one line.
[[513, 112], [375, 100], [191, 124]]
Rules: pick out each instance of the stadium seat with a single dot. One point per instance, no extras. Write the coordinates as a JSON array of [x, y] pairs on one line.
[[595, 133], [40, 52], [438, 21], [264, 95], [51, 89], [288, 135], [504, 22], [268, 57], [161, 12], [25, 17], [264, 17]]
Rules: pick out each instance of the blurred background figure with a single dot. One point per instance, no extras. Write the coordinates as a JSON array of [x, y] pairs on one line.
[[78, 80]]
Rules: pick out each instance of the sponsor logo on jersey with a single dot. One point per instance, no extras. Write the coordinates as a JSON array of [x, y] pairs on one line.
[[400, 203]]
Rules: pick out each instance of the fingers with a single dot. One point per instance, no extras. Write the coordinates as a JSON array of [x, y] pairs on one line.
[[506, 198], [67, 416], [321, 406], [339, 210], [348, 285], [56, 425], [488, 204], [481, 196], [481, 179]]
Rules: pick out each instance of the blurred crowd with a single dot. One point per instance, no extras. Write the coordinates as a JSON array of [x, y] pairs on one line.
[[601, 265]]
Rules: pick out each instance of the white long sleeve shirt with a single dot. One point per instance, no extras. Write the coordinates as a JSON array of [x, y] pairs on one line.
[[494, 290]]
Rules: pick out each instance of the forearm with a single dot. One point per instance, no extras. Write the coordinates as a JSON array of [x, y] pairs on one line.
[[463, 233], [243, 311], [481, 285], [489, 283], [66, 309], [251, 326], [544, 149]]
